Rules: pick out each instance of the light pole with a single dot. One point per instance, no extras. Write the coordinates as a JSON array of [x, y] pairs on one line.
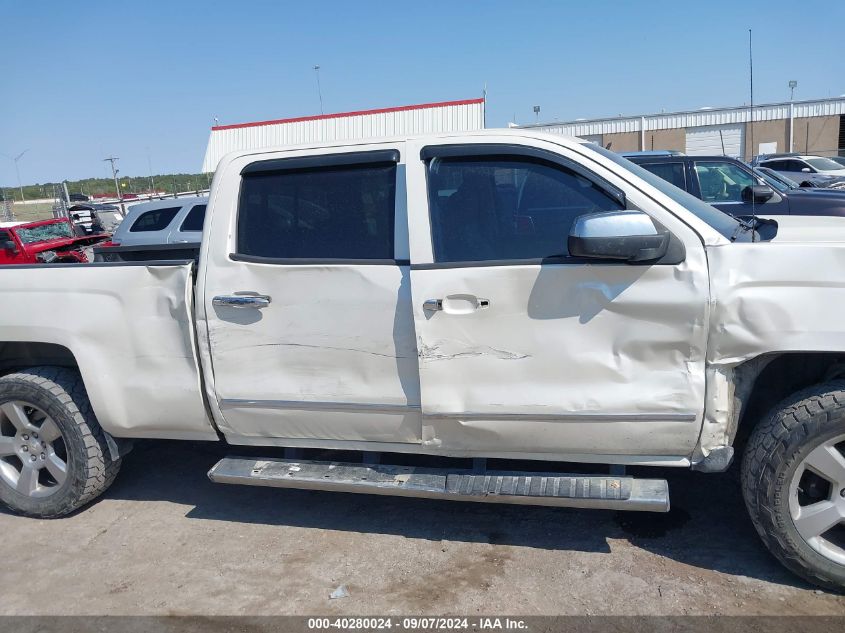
[[15, 159], [114, 173], [537, 113], [319, 90], [792, 86]]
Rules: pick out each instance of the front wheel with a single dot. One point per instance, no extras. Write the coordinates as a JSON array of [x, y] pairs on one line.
[[53, 453], [793, 481]]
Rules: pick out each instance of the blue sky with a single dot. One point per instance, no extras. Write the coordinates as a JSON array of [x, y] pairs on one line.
[[86, 79]]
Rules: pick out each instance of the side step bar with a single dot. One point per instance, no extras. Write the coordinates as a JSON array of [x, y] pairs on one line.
[[544, 489]]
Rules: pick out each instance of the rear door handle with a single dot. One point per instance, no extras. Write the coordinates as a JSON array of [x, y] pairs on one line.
[[456, 304], [242, 301]]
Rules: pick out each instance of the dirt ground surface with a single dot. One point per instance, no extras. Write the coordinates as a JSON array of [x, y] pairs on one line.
[[165, 540]]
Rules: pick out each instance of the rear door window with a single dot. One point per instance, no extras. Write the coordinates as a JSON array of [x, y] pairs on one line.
[[670, 172], [155, 220], [337, 212], [195, 219]]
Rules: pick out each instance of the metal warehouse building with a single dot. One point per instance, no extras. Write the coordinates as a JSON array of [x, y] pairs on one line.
[[446, 116], [811, 127]]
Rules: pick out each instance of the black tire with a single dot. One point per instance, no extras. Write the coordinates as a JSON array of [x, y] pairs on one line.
[[60, 393], [776, 448]]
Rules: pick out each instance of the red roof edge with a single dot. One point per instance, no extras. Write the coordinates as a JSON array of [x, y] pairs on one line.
[[420, 106]]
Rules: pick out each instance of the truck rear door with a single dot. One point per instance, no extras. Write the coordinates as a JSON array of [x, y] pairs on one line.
[[307, 298]]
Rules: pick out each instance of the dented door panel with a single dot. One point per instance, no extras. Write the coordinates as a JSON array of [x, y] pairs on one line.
[[565, 358]]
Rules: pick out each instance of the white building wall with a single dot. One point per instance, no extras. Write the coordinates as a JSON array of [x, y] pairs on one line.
[[693, 118], [450, 116]]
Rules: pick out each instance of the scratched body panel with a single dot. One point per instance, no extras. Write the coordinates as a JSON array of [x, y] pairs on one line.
[[339, 334], [571, 349]]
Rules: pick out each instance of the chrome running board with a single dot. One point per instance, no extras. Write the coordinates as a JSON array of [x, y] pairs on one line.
[[544, 489]]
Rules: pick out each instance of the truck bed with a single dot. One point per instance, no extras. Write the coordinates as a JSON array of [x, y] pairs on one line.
[[130, 328], [146, 253]]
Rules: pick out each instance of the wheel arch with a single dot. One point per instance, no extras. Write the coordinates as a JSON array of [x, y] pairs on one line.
[[762, 382], [16, 355], [740, 395]]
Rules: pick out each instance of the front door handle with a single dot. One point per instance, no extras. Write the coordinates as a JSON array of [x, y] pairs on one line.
[[242, 301]]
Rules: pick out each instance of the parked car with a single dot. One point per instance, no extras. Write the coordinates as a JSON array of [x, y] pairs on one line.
[[732, 186], [169, 221], [817, 169], [46, 241], [782, 183], [839, 159], [95, 218], [78, 197], [497, 295]]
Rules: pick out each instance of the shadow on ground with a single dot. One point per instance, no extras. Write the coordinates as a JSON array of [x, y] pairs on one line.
[[707, 527]]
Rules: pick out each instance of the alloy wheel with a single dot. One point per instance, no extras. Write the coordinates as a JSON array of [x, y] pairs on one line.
[[33, 455]]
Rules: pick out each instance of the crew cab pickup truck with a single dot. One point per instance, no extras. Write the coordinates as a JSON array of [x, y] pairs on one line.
[[45, 241], [536, 312]]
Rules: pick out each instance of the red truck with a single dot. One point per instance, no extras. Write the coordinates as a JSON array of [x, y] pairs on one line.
[[44, 242]]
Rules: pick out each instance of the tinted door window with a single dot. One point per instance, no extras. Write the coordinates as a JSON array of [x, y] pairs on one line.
[[670, 172], [722, 182], [777, 165], [331, 213], [195, 219], [156, 220], [507, 208]]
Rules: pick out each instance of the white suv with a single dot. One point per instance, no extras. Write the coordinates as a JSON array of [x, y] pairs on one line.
[[171, 221], [817, 169]]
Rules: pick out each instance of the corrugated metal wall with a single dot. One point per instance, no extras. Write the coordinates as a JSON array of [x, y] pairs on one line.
[[693, 118], [449, 116]]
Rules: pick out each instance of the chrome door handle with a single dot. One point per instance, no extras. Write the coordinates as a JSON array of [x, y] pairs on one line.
[[242, 301], [469, 304]]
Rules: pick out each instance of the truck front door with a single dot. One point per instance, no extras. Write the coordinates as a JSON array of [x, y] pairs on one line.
[[525, 350], [307, 299]]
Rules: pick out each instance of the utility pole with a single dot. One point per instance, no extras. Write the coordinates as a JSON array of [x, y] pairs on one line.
[[150, 167], [751, 91], [114, 173], [319, 90], [15, 159], [792, 86]]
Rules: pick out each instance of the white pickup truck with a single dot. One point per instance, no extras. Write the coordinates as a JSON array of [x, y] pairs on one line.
[[536, 312]]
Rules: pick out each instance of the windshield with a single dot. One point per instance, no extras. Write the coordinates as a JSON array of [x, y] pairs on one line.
[[725, 224], [774, 180], [45, 232], [824, 164]]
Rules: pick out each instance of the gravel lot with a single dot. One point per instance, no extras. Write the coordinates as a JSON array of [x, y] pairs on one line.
[[165, 540]]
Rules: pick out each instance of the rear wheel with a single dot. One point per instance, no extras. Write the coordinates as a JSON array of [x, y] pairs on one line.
[[53, 453], [793, 476]]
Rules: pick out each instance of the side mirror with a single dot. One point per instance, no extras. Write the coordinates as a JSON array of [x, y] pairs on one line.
[[757, 193], [806, 170], [630, 236], [10, 247]]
